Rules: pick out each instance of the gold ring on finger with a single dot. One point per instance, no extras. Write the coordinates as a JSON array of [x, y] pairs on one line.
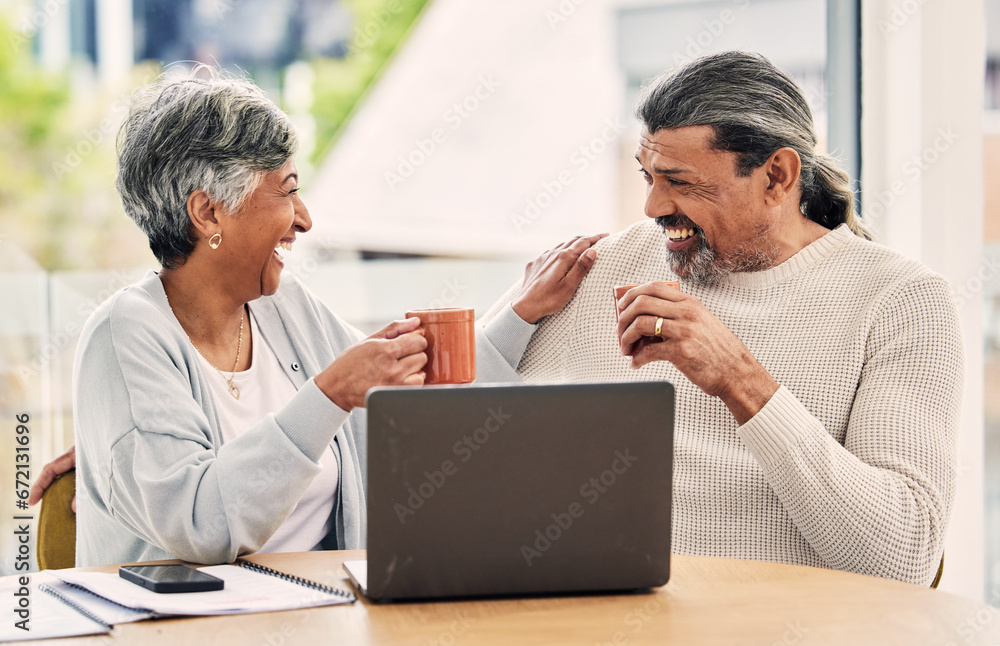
[[659, 326]]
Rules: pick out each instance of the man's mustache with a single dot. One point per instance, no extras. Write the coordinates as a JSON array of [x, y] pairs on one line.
[[676, 222]]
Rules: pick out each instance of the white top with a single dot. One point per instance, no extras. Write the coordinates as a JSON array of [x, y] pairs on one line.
[[852, 464], [264, 389]]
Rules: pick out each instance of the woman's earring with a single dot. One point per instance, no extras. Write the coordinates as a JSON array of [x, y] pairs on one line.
[[215, 241]]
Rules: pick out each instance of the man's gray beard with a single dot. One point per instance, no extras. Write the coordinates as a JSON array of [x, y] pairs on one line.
[[705, 266]]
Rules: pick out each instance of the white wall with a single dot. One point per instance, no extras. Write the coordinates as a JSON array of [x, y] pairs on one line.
[[494, 133], [922, 173]]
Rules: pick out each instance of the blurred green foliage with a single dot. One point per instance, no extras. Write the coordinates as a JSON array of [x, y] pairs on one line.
[[32, 105], [58, 205], [380, 28], [30, 100]]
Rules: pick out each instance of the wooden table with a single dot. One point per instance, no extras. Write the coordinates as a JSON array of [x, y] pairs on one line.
[[707, 601]]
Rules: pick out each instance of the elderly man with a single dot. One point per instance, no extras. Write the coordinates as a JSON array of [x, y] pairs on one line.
[[819, 375]]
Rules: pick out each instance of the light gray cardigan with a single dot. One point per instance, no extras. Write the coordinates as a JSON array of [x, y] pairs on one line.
[[155, 480]]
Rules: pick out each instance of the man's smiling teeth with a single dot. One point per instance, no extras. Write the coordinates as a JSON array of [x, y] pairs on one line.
[[287, 246], [679, 234]]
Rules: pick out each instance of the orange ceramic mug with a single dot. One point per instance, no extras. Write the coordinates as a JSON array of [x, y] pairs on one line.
[[451, 344]]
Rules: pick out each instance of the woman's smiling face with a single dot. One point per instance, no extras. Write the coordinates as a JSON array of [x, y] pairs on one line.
[[265, 227]]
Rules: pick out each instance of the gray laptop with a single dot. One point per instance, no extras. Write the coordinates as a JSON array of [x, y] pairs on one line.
[[517, 489]]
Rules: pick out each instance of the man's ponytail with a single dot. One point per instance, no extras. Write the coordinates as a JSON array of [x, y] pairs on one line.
[[828, 199]]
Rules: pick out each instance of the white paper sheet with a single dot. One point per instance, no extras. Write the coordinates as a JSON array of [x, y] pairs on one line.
[[48, 617], [245, 591]]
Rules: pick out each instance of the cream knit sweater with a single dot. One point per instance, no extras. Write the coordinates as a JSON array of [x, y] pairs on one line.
[[852, 463]]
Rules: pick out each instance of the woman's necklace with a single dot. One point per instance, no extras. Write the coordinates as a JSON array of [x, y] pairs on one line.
[[233, 388]]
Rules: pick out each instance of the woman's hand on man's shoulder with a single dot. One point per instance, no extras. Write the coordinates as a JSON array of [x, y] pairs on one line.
[[551, 280]]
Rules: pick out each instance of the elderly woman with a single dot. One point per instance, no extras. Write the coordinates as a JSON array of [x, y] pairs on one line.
[[218, 406]]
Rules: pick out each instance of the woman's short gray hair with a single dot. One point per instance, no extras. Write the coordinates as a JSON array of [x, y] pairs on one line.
[[221, 135], [754, 109]]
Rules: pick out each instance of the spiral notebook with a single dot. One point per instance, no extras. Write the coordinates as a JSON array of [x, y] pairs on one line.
[[250, 587]]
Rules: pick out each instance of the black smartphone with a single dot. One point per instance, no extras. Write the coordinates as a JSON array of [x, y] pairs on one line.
[[170, 578]]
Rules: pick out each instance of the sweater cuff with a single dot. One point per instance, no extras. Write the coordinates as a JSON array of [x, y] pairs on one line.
[[310, 420], [509, 334], [776, 428]]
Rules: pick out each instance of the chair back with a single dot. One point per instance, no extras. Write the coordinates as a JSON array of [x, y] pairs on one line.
[[937, 577], [57, 525]]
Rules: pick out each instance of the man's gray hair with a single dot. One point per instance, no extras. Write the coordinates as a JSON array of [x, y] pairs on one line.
[[754, 109], [221, 135]]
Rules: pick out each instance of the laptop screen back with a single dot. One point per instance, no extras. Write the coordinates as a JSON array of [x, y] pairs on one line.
[[515, 489]]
